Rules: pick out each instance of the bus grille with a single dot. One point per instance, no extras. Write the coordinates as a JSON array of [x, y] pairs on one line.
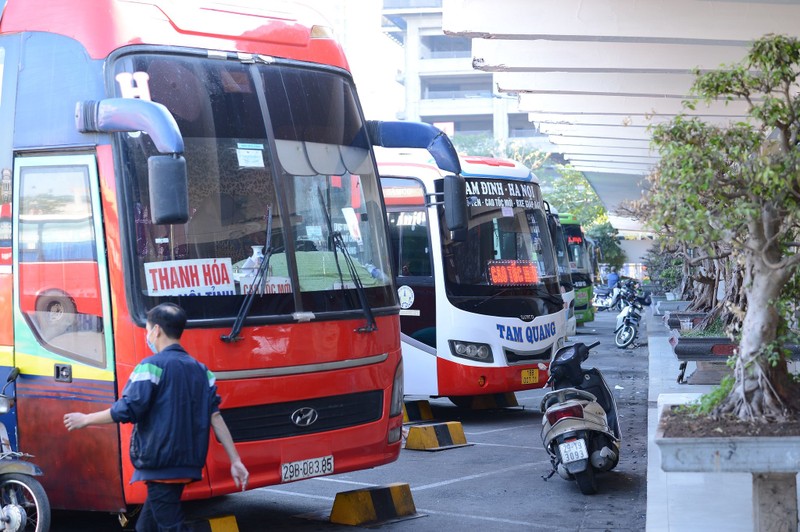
[[526, 357], [266, 422]]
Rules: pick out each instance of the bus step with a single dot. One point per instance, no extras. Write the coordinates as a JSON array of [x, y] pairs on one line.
[[374, 506], [436, 436], [226, 523], [417, 411]]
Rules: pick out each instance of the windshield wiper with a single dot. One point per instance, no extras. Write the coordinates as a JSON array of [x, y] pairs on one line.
[[338, 242], [244, 310], [480, 302]]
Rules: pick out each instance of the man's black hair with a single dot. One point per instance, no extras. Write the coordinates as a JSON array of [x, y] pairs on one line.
[[170, 317]]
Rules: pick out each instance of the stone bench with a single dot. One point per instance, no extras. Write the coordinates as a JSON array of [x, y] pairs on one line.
[[710, 353]]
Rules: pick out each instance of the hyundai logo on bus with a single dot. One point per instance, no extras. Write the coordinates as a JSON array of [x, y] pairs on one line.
[[304, 417], [532, 333]]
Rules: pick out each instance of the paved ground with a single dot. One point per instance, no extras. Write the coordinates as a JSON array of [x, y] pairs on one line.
[[495, 484]]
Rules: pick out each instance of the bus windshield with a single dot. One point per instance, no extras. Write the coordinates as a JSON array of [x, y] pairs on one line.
[[507, 246], [578, 250], [562, 258], [260, 139]]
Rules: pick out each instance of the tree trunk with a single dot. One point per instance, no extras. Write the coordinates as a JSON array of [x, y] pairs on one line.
[[761, 391]]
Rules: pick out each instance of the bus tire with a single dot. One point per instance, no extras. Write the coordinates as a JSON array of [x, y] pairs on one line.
[[462, 401], [55, 314], [58, 307]]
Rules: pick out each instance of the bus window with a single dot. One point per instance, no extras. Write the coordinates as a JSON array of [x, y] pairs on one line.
[[58, 274], [409, 234]]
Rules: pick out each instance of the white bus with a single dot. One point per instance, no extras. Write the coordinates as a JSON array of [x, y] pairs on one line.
[[564, 269], [481, 306]]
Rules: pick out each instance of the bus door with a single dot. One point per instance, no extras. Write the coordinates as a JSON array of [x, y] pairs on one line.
[[411, 247], [63, 341]]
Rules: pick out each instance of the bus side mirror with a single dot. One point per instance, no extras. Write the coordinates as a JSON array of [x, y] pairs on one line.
[[169, 189], [455, 203]]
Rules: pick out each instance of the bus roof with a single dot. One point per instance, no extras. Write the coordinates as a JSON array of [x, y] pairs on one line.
[[275, 28], [479, 166]]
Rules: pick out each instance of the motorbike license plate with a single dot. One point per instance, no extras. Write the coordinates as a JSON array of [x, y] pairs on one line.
[[572, 451], [313, 467], [530, 376]]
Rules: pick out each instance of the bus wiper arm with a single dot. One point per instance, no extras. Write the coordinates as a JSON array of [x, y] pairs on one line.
[[338, 243], [362, 294], [258, 279], [486, 300]]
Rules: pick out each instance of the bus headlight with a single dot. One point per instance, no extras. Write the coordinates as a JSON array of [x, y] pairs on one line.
[[472, 350], [396, 405]]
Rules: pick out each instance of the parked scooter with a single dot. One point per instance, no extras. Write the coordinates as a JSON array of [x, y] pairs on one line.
[[24, 505], [626, 332], [580, 428], [606, 298]]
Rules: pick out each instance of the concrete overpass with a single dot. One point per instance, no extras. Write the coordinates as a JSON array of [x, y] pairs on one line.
[[593, 75]]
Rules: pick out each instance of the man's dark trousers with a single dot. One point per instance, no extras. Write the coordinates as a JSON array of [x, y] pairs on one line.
[[162, 511]]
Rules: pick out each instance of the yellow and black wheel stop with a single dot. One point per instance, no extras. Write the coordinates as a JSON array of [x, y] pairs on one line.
[[373, 506], [417, 411], [436, 436], [225, 523]]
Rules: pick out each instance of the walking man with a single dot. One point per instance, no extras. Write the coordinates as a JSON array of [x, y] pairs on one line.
[[172, 400]]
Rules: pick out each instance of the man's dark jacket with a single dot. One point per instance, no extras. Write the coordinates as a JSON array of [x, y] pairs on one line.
[[170, 397]]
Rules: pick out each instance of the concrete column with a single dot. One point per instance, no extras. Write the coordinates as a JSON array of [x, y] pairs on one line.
[[775, 502], [500, 117], [411, 74]]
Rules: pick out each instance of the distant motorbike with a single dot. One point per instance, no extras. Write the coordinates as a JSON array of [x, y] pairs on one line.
[[626, 332], [24, 505], [606, 298], [580, 427]]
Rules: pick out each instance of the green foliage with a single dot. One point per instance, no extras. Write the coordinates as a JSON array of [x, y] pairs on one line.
[[713, 183], [715, 328], [605, 236], [664, 267], [707, 402], [571, 192], [488, 146]]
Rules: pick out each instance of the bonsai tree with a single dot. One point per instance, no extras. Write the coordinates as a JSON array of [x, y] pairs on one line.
[[740, 186]]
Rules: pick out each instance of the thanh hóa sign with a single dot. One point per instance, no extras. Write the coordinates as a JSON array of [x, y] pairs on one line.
[[199, 277]]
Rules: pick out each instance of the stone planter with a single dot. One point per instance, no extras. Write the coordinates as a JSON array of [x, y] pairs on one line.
[[673, 319], [773, 463], [666, 306]]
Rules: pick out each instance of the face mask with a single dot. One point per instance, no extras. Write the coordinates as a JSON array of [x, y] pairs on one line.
[[150, 344]]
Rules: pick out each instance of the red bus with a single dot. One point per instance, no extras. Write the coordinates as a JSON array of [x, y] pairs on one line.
[[216, 156]]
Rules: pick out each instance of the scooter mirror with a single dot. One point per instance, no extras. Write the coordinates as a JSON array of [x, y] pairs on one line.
[[13, 374]]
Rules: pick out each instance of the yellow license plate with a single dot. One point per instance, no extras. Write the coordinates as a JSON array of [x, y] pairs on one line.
[[530, 376]]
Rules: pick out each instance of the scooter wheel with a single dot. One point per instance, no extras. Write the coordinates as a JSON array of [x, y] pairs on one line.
[[625, 336], [587, 483], [27, 493]]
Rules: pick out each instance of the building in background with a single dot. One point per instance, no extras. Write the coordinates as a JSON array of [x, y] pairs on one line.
[[376, 61], [441, 87]]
